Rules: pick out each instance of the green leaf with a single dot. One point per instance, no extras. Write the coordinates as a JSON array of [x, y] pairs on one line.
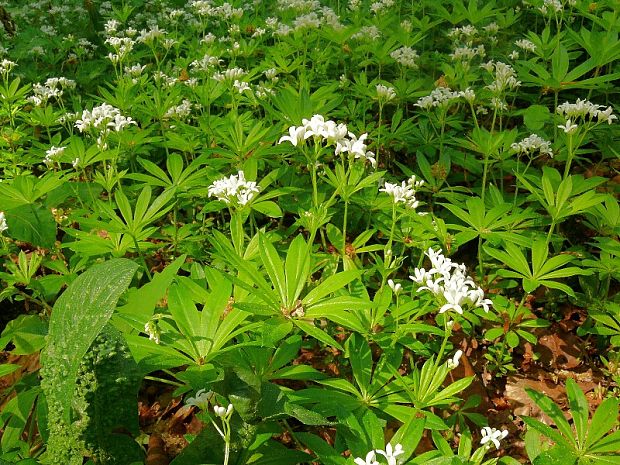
[[535, 117], [78, 316], [316, 333], [409, 435], [330, 285], [557, 455], [578, 408], [268, 208], [273, 266], [554, 412], [8, 368], [603, 420], [297, 269], [33, 224], [358, 352]]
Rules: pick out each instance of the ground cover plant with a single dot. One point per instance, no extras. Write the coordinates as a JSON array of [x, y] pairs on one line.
[[309, 232]]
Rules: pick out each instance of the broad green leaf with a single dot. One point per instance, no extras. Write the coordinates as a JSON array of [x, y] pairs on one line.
[[79, 315], [33, 224]]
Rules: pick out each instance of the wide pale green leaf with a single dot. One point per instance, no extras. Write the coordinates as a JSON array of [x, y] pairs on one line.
[[78, 316]]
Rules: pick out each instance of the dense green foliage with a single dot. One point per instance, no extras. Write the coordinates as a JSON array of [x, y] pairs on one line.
[[336, 232]]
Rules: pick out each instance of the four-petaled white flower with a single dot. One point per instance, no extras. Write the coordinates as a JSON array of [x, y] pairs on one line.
[[296, 136], [569, 127], [391, 454], [492, 435]]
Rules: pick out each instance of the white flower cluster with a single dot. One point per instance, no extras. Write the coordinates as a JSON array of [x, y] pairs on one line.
[[367, 33], [381, 6], [505, 77], [450, 282], [405, 193], [234, 189], [6, 66], [53, 88], [390, 454], [134, 72], [526, 45], [492, 435], [230, 75], [308, 21], [299, 5], [464, 33], [586, 109], [443, 97], [205, 63], [150, 35], [532, 144], [467, 53], [241, 86], [406, 56], [52, 154], [385, 93], [122, 46], [332, 134], [105, 118], [551, 6], [180, 111]]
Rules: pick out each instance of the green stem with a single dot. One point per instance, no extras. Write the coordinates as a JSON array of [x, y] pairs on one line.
[[569, 158], [442, 349]]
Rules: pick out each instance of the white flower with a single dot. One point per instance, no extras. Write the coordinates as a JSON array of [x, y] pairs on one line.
[[371, 459], [3, 225], [569, 127], [297, 135], [391, 454], [223, 412], [201, 400], [493, 435], [454, 362]]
